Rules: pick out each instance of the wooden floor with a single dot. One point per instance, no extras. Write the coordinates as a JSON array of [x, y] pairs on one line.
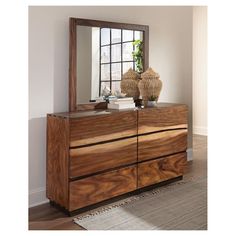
[[46, 217]]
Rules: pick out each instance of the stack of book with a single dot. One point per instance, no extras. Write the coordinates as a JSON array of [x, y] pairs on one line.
[[121, 103]]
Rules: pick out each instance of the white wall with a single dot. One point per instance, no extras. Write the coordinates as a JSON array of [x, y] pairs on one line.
[[170, 55], [200, 70]]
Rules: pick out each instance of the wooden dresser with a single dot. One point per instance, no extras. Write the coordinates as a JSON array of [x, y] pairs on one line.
[[99, 154]]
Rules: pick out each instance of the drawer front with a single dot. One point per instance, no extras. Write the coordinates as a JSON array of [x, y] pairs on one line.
[[152, 172], [156, 119], [92, 159], [161, 144], [88, 130], [101, 187]]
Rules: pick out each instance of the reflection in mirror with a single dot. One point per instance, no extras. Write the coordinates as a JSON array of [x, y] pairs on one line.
[[103, 56]]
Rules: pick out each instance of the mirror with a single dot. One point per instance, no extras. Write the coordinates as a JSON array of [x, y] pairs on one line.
[[100, 53]]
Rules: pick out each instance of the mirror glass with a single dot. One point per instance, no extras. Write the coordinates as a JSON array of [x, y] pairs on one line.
[[103, 56]]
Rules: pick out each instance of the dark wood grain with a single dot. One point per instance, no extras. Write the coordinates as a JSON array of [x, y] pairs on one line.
[[86, 148], [146, 49], [97, 188], [45, 216], [73, 52], [72, 65], [92, 112], [57, 160], [162, 118], [109, 24], [155, 171], [94, 129], [92, 159], [91, 106], [161, 144]]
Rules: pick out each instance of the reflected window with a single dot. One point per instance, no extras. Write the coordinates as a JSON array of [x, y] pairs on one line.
[[116, 48]]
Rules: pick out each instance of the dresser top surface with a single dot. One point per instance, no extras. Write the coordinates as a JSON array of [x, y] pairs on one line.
[[97, 112]]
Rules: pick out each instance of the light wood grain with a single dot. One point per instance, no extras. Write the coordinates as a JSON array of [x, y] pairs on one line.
[[97, 188], [161, 169], [161, 144], [162, 118], [57, 160], [94, 129], [92, 159]]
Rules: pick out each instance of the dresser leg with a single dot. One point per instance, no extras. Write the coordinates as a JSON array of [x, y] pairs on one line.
[[60, 208]]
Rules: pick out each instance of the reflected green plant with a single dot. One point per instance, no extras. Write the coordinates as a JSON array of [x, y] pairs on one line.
[[138, 55]]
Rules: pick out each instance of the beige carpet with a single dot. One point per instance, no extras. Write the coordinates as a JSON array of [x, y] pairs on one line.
[[178, 206]]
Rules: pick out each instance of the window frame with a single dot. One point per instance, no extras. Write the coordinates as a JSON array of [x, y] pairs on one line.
[[110, 63]]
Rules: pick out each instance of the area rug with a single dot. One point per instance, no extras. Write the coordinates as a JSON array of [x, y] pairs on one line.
[[178, 206]]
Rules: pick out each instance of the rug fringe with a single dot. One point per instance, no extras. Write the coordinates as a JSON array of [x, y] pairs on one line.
[[132, 199]]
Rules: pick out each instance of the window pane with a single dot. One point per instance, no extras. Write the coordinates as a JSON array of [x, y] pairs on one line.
[[138, 35], [127, 66], [105, 54], [105, 72], [127, 52], [116, 52], [127, 35], [115, 86], [105, 36], [115, 35], [116, 71], [103, 84]]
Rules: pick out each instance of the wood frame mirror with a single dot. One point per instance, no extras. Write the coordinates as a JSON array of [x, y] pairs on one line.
[[73, 22]]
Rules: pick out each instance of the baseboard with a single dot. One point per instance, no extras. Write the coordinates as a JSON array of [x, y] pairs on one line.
[[189, 154], [200, 130], [37, 197]]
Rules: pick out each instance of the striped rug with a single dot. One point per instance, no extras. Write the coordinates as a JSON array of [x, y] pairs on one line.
[[178, 206]]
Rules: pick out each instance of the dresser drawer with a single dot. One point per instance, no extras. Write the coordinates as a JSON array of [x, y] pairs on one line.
[[94, 129], [152, 172], [95, 158], [101, 187], [163, 118], [161, 144]]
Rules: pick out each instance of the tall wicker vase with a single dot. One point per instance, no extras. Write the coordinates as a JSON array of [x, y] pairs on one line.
[[150, 85], [129, 84]]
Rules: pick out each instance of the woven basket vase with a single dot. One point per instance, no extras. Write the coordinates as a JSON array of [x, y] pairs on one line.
[[129, 84], [150, 85]]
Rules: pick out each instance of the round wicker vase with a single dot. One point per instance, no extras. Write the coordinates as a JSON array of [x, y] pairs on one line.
[[129, 84], [130, 88], [149, 87]]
